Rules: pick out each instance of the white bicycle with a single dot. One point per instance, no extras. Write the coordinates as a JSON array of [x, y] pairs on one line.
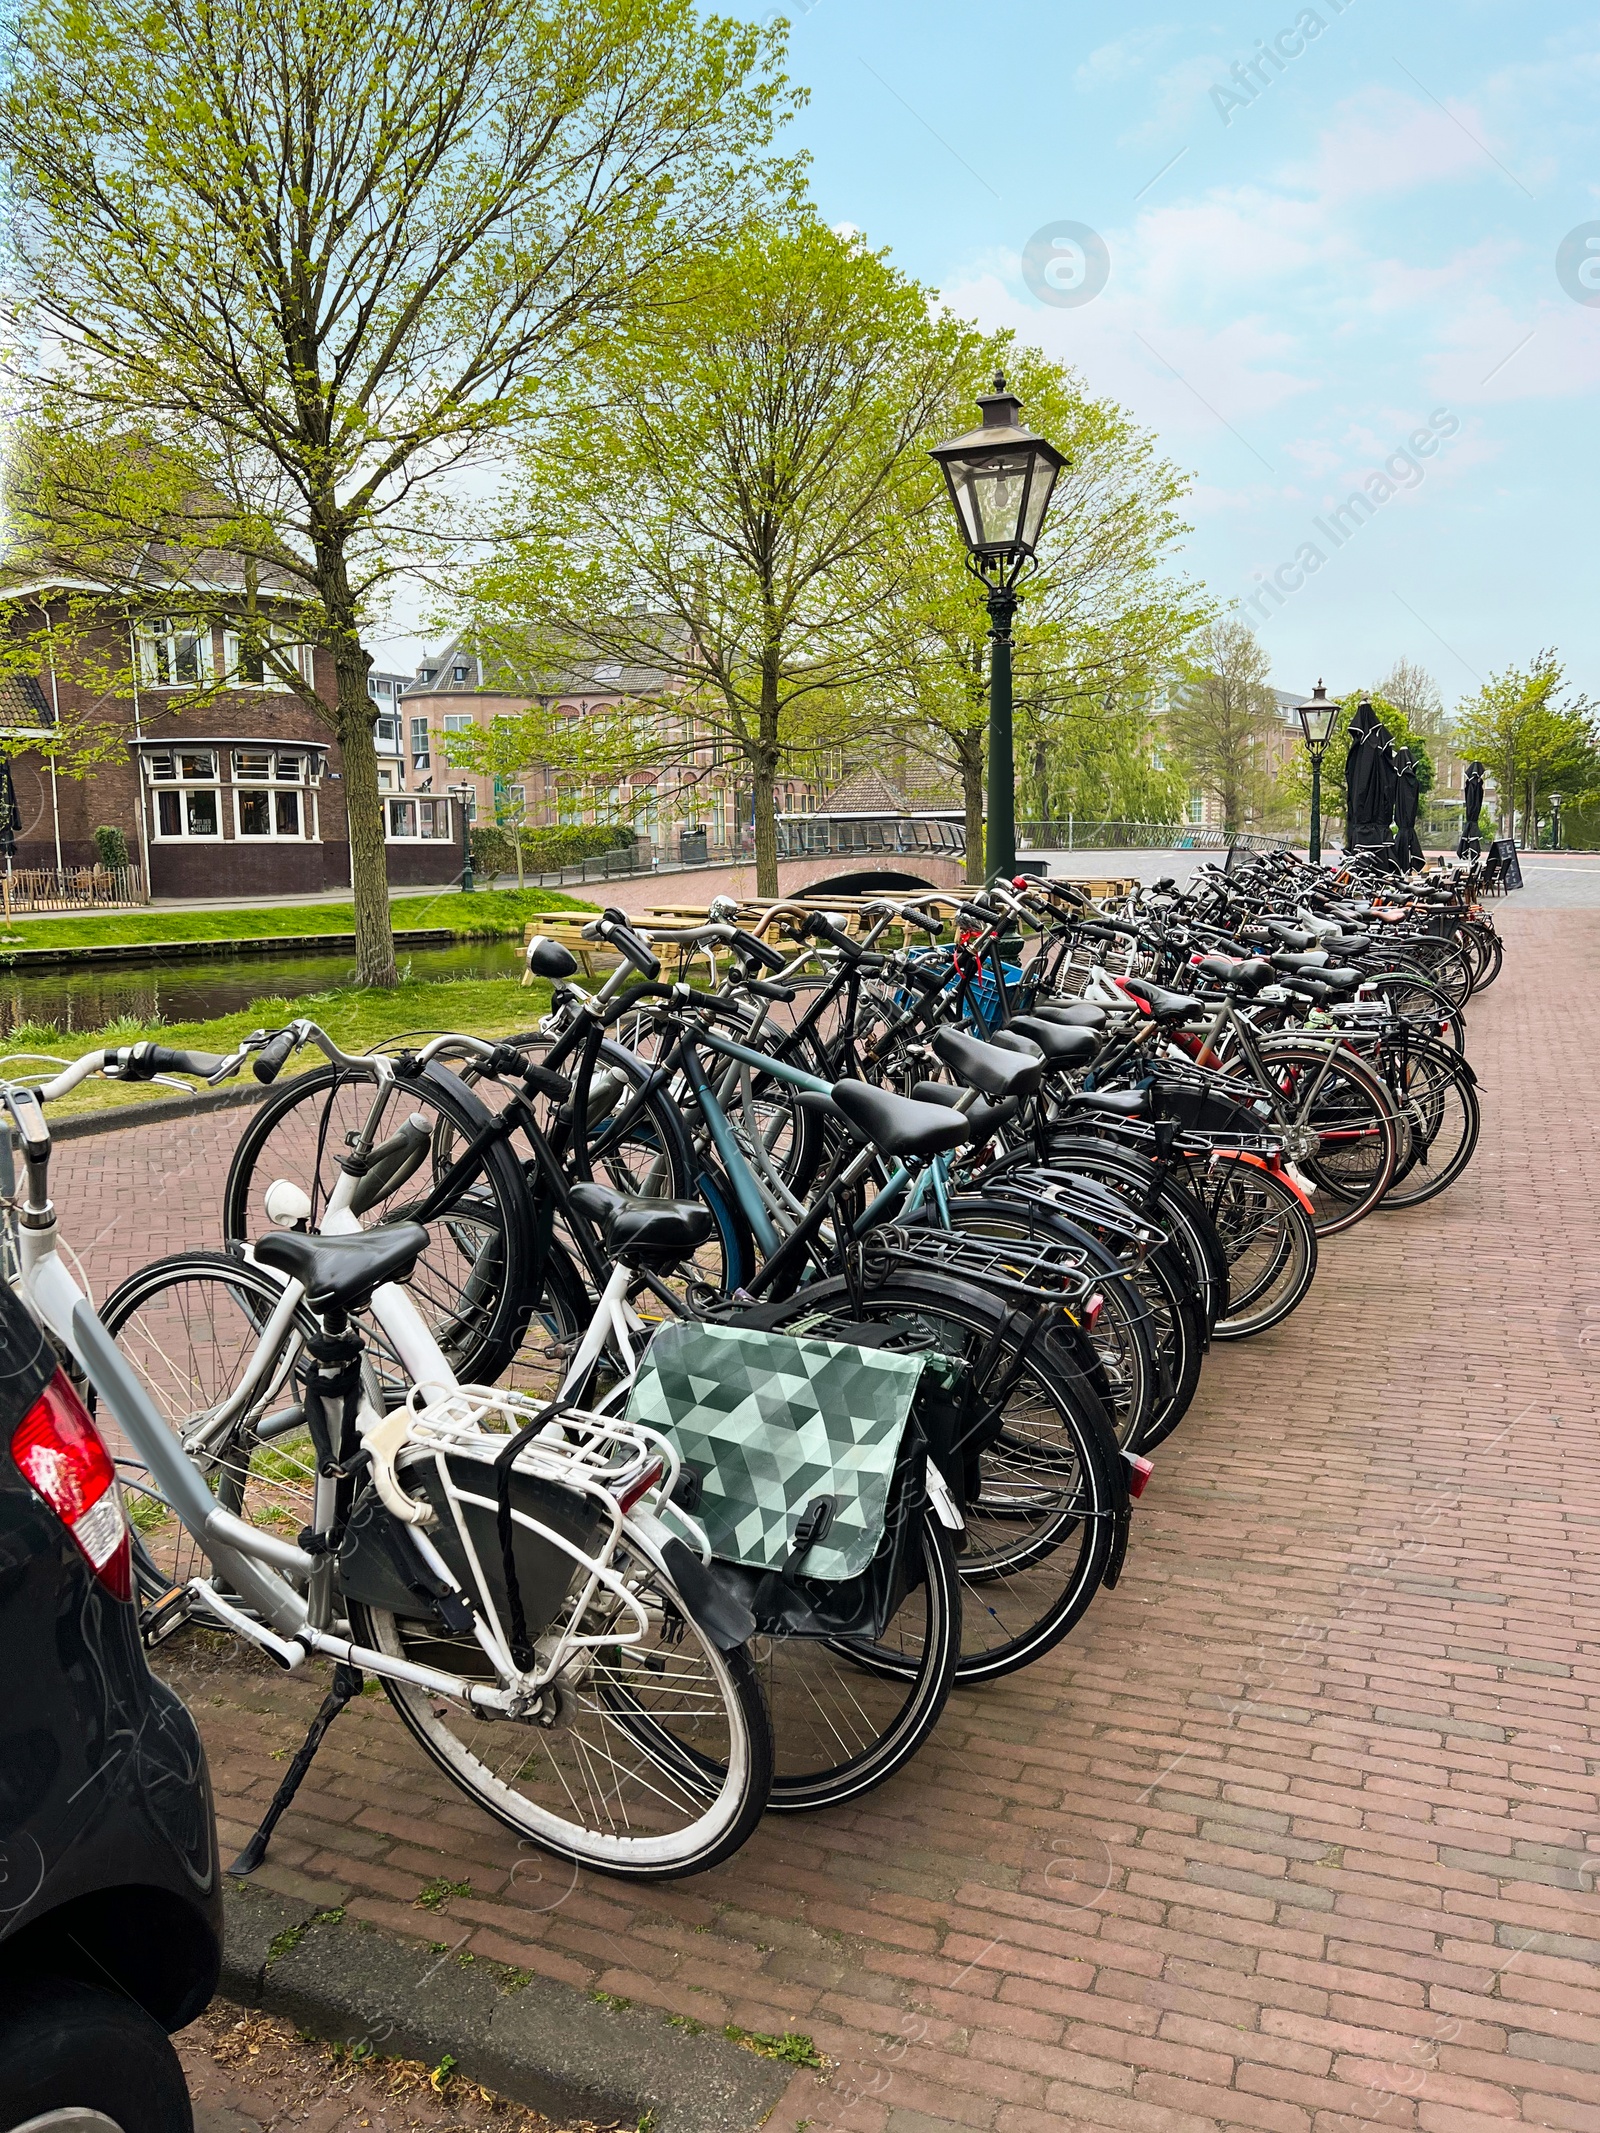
[[516, 1573]]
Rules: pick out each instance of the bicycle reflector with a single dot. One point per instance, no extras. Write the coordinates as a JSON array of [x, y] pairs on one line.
[[59, 1449], [1139, 1472]]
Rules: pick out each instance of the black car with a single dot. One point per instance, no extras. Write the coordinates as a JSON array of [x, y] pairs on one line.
[[110, 1896]]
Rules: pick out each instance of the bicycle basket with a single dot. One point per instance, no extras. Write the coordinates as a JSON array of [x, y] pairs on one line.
[[772, 1424]]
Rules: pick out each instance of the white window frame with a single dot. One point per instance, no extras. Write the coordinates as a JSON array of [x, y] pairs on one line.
[[183, 794], [305, 834], [157, 641], [282, 639], [416, 802], [457, 722]]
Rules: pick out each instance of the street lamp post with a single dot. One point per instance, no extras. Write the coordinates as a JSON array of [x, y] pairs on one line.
[[1555, 822], [462, 795], [1317, 719], [1000, 478]]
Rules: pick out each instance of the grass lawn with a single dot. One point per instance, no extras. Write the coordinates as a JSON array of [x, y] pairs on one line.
[[356, 1017], [487, 914]]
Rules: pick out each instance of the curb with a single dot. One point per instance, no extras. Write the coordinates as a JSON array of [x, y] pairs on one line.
[[532, 2040]]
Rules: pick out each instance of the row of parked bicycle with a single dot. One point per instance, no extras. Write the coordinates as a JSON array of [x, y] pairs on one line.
[[670, 1405]]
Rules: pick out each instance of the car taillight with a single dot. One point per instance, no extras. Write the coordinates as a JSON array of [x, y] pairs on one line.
[[59, 1449]]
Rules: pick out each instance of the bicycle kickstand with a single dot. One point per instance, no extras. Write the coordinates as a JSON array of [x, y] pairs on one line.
[[347, 1685]]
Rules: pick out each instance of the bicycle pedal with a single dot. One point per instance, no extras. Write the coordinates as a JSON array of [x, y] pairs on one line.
[[161, 1617]]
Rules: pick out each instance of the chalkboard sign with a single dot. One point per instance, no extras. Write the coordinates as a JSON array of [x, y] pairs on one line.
[[1505, 851]]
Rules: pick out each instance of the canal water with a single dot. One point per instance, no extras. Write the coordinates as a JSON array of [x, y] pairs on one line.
[[75, 998]]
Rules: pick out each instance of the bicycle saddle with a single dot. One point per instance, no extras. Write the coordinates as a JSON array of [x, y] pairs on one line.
[[340, 1273], [1061, 1047], [1248, 976], [991, 1069], [1316, 962], [1081, 1014], [1165, 1006], [981, 1119], [896, 1124], [1120, 1103], [641, 1232]]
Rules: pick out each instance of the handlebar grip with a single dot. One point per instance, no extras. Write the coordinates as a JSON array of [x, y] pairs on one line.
[[758, 951], [628, 945], [141, 1062], [822, 928], [975, 915], [274, 1055]]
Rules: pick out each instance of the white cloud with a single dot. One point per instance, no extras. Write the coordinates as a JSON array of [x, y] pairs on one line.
[[1383, 142], [1122, 56]]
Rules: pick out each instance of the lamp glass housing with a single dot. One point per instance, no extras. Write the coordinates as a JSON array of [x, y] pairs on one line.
[[1001, 478], [1318, 718]]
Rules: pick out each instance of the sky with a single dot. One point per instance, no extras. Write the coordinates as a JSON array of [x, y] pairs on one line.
[[1289, 274], [1318, 251]]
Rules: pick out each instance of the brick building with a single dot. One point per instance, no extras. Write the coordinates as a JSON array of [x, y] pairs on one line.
[[223, 780]]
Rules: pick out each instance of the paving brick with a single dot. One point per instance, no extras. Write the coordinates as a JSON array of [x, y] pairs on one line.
[[1334, 1728]]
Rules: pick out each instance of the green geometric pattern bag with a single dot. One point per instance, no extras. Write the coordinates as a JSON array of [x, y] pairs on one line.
[[771, 1423]]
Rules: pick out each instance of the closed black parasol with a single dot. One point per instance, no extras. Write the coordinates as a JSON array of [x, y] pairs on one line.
[[1471, 809], [10, 812], [1407, 799], [1368, 783]]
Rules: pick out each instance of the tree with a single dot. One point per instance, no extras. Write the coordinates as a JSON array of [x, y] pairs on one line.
[[1100, 622], [1529, 743], [1222, 717], [713, 497], [1412, 691], [323, 256]]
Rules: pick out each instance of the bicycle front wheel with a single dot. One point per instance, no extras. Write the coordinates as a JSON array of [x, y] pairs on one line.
[[472, 1282], [1270, 1239], [190, 1328]]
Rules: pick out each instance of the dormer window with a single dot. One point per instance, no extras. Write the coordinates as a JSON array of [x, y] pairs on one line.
[[458, 673]]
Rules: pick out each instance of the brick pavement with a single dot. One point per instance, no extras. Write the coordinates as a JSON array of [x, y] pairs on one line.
[[1298, 1833]]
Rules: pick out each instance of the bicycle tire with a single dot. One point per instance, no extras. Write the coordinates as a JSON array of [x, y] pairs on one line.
[[1430, 1168], [1250, 1205], [1358, 1135], [898, 1706], [474, 1282], [1020, 1595], [189, 1326], [661, 1766]]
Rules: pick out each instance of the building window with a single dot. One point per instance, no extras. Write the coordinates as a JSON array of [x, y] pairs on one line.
[[610, 673], [426, 673], [458, 722], [183, 765], [189, 814], [416, 821], [245, 666], [175, 653], [267, 813], [385, 779], [458, 673], [419, 744], [386, 736]]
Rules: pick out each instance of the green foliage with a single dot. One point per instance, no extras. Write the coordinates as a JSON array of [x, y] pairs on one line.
[[713, 502], [112, 847], [437, 1893], [494, 849], [793, 2048], [296, 263], [1531, 744]]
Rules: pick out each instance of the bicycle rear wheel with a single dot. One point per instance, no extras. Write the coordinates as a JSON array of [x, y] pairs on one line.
[[1345, 1136], [1043, 1527], [848, 1712], [1271, 1242]]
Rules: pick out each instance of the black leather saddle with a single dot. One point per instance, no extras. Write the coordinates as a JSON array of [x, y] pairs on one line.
[[897, 1124], [641, 1232], [1061, 1047], [1165, 1006], [1078, 1014], [340, 1273], [989, 1068]]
